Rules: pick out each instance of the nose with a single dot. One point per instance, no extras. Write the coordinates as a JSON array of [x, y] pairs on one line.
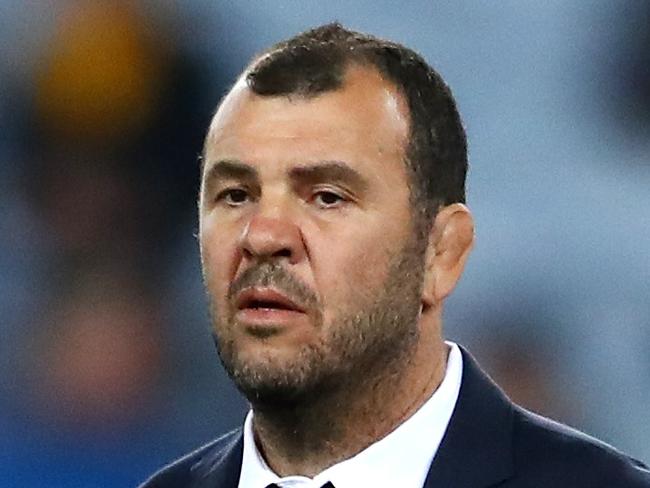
[[272, 237]]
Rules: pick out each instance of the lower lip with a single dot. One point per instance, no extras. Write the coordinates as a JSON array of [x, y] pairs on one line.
[[268, 316]]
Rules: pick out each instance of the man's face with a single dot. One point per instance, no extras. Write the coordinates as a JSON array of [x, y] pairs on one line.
[[309, 256]]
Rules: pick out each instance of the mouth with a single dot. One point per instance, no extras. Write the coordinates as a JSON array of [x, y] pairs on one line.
[[266, 299]]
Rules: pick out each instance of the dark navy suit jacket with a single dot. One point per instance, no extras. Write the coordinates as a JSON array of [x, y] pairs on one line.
[[489, 442]]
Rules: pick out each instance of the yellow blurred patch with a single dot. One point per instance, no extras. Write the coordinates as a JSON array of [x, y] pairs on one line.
[[101, 77]]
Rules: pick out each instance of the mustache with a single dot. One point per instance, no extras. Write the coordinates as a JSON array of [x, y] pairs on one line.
[[275, 276]]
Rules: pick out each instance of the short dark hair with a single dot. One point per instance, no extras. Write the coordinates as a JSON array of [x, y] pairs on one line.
[[315, 61]]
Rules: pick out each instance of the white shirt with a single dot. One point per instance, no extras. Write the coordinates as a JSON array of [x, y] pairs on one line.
[[402, 458]]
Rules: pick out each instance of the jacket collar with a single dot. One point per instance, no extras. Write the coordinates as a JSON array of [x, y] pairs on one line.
[[476, 450]]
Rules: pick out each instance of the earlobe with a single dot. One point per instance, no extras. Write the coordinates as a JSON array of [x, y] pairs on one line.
[[450, 242]]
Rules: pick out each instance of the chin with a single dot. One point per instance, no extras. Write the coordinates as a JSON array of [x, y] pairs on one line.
[[273, 377], [270, 387]]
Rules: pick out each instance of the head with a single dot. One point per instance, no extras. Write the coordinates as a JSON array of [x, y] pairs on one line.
[[331, 213]]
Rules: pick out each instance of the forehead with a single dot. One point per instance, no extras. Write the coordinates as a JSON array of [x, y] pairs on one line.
[[366, 120]]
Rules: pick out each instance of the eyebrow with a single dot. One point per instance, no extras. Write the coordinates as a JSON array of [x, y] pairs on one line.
[[323, 171], [335, 171], [230, 169]]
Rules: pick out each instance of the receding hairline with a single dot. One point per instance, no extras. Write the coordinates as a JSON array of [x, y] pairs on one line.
[[242, 82]]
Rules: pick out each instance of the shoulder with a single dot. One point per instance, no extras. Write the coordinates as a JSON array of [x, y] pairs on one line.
[[562, 456], [193, 466]]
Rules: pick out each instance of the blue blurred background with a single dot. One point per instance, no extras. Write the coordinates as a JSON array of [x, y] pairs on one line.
[[107, 368]]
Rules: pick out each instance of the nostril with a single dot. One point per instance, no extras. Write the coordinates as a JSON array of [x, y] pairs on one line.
[[283, 253]]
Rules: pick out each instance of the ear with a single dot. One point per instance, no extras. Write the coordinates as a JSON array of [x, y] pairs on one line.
[[450, 241]]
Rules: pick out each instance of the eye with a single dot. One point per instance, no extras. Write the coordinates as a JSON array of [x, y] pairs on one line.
[[328, 199], [233, 197]]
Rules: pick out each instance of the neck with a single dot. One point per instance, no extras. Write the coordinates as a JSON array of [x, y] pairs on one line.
[[306, 439]]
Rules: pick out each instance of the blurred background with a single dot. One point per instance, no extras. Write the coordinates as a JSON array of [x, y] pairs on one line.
[[107, 367]]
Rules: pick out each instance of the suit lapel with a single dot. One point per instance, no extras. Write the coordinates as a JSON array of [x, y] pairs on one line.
[[221, 468], [476, 450]]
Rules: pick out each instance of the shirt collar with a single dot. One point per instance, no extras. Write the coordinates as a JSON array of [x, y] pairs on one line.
[[402, 458]]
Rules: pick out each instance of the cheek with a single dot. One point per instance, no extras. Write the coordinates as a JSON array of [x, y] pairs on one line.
[[349, 272], [217, 260]]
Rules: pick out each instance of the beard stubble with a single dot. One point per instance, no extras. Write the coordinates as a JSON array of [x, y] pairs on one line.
[[374, 332]]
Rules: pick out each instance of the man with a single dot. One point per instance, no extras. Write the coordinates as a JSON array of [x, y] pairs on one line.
[[332, 228]]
